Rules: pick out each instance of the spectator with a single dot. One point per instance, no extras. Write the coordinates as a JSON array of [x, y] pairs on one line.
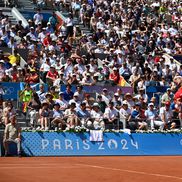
[[58, 118], [26, 96], [62, 103], [41, 93], [69, 26], [96, 118], [68, 94], [38, 17], [125, 113], [12, 133], [8, 112], [168, 96], [71, 116], [111, 116], [44, 114], [34, 106], [83, 114], [136, 121], [166, 115], [152, 116]]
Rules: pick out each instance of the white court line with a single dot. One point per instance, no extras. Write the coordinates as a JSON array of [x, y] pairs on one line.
[[131, 171], [38, 167], [43, 164]]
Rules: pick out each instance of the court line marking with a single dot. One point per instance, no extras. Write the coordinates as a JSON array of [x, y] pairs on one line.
[[44, 165], [39, 167], [131, 171], [18, 164]]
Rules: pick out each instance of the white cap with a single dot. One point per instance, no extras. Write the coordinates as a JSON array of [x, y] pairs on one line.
[[116, 94], [96, 74], [125, 102], [76, 94], [151, 104], [61, 93], [96, 105]]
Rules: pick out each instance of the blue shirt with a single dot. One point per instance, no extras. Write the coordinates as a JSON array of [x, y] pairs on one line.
[[68, 96], [83, 114], [149, 113], [134, 114]]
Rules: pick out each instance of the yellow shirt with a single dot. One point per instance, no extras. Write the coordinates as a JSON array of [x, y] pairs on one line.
[[14, 59]]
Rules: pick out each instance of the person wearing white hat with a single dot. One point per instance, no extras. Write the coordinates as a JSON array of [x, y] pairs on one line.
[[114, 76], [116, 100], [75, 100], [142, 95], [168, 96], [49, 28], [152, 117], [61, 101], [52, 75], [106, 95], [96, 117], [125, 113], [87, 80]]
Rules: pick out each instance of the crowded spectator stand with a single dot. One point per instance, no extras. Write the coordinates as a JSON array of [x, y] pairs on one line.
[[104, 66]]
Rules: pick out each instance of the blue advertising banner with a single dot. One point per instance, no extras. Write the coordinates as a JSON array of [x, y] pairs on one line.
[[156, 91], [29, 15], [79, 144], [10, 89], [98, 89]]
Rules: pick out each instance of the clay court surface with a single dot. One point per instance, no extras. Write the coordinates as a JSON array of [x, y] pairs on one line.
[[91, 169]]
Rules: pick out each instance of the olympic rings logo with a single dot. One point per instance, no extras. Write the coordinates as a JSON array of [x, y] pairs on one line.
[[8, 90]]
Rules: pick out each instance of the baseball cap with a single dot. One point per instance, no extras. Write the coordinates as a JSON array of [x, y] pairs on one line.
[[151, 104], [61, 93], [137, 104], [116, 94], [125, 102], [96, 105], [167, 103], [76, 94]]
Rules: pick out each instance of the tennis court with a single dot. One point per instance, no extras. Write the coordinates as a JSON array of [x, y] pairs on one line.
[[92, 169]]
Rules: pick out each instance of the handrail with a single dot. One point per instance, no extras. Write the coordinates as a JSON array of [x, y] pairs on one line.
[[19, 16]]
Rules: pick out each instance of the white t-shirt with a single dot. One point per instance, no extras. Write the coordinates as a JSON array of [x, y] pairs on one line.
[[45, 67], [111, 113], [124, 112], [168, 114], [96, 115], [38, 18]]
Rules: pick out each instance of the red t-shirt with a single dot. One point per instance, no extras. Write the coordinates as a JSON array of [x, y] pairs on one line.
[[53, 75]]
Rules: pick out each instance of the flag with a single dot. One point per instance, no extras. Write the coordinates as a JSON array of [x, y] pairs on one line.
[[122, 82], [61, 19], [24, 107]]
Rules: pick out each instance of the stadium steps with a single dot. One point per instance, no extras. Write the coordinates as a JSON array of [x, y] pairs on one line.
[[7, 11], [27, 4]]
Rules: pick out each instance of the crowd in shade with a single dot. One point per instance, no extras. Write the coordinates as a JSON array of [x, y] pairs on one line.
[[131, 43]]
